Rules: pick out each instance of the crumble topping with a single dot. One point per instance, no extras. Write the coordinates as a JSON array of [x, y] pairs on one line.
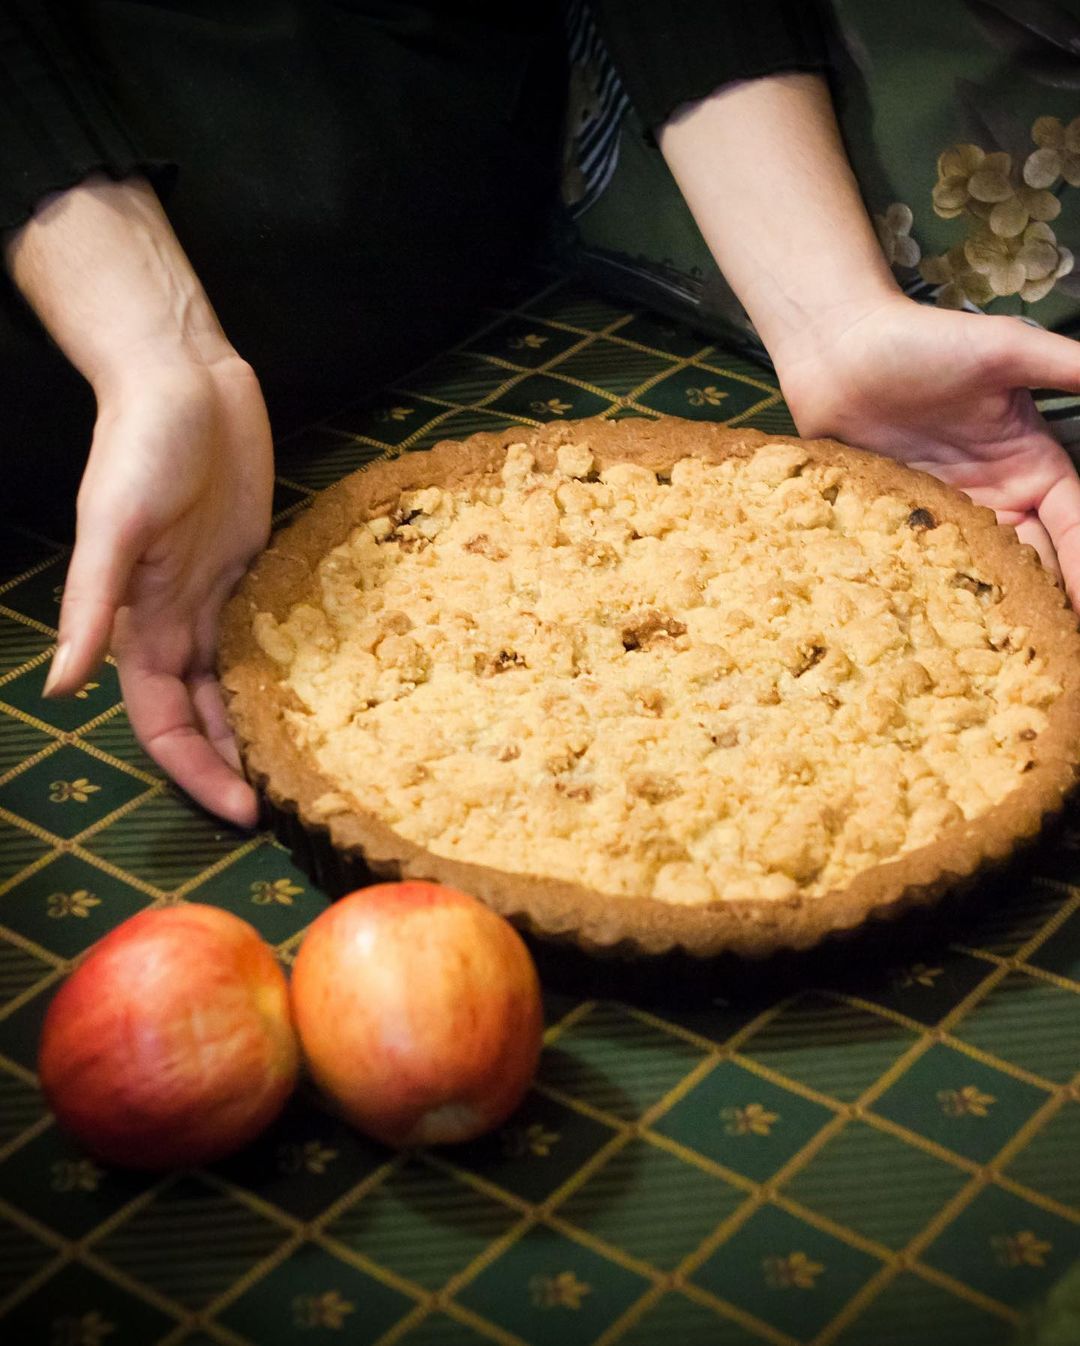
[[739, 680]]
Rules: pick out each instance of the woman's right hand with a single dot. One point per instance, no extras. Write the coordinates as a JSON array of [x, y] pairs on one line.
[[174, 503], [175, 499]]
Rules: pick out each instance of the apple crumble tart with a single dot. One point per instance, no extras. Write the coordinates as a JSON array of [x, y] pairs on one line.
[[657, 682]]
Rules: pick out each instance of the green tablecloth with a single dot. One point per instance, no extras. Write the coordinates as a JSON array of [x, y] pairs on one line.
[[875, 1147]]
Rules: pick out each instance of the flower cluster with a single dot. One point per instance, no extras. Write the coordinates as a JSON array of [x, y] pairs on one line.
[[1011, 250], [986, 266], [988, 187]]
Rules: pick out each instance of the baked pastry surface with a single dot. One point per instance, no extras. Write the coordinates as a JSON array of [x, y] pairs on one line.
[[658, 682]]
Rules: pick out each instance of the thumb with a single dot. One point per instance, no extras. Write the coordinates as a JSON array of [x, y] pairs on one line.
[[1060, 515], [1029, 357], [97, 578]]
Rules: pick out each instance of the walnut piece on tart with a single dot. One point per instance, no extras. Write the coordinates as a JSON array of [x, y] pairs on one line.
[[656, 683]]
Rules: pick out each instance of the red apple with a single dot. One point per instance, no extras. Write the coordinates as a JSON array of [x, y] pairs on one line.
[[418, 1011], [172, 1042]]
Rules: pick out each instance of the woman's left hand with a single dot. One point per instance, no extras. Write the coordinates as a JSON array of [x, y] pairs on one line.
[[949, 392]]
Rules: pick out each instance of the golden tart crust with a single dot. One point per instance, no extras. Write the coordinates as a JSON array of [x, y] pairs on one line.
[[651, 684]]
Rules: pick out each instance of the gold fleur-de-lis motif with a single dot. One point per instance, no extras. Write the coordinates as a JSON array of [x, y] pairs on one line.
[[268, 892], [78, 903], [795, 1271], [530, 341], [709, 396], [918, 974], [326, 1310], [1024, 1249], [84, 691], [563, 1291], [752, 1120], [75, 1175], [518, 1141], [67, 791], [310, 1157], [552, 407], [966, 1102], [395, 413], [540, 1141], [89, 1329]]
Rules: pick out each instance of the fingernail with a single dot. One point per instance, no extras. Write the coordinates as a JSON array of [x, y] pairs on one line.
[[56, 672]]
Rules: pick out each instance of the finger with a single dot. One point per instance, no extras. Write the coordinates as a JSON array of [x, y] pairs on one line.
[[1060, 516], [210, 708], [1029, 357], [97, 577], [1031, 531], [203, 683], [163, 715]]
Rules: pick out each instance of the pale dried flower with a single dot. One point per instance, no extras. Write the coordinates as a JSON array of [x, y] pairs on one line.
[[967, 174], [960, 285], [894, 235], [1058, 155]]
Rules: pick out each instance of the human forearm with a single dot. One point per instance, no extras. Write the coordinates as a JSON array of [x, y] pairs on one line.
[[104, 271], [763, 169]]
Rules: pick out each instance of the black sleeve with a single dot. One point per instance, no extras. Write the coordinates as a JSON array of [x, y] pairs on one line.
[[56, 122], [669, 52]]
